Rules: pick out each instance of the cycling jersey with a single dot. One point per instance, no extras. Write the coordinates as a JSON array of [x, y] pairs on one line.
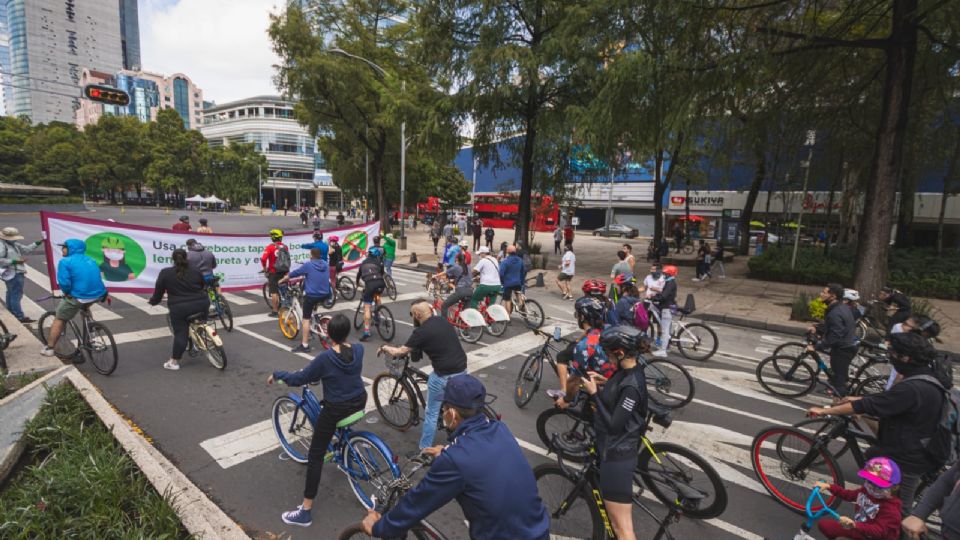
[[269, 257], [371, 271], [621, 411], [588, 355]]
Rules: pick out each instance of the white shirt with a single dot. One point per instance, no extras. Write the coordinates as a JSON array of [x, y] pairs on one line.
[[569, 263], [653, 285], [489, 272]]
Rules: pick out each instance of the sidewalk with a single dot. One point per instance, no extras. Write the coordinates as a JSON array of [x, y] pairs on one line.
[[737, 300], [23, 355]]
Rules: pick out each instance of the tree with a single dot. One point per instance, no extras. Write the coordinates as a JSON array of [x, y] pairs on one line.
[[13, 158], [112, 156], [53, 154], [174, 155]]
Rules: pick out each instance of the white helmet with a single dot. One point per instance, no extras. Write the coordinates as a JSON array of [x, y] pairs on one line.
[[851, 294], [464, 243]]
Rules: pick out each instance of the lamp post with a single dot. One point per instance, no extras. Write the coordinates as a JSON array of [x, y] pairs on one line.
[[811, 140], [260, 188]]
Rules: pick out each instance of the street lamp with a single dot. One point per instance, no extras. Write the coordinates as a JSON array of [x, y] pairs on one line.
[[811, 140]]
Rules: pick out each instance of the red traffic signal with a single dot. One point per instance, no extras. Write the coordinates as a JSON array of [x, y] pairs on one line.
[[106, 94]]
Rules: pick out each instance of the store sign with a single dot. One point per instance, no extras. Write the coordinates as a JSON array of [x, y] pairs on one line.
[[811, 204], [679, 201], [731, 213]]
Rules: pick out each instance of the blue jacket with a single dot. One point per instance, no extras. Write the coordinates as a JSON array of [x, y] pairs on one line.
[[339, 376], [317, 280], [450, 254], [321, 245], [78, 275], [511, 271], [484, 469]]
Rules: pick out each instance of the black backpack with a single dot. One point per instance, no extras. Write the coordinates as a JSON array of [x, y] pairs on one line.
[[370, 271], [943, 446], [282, 261]]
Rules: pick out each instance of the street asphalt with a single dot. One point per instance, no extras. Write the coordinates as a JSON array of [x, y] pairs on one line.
[[211, 423]]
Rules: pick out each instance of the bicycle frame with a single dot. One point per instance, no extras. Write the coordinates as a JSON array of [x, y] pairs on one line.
[[839, 429]]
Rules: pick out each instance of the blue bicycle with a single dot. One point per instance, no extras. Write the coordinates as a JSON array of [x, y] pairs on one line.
[[812, 516], [366, 460]]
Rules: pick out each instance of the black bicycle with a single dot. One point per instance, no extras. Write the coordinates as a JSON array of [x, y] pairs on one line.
[[380, 316], [796, 376], [89, 340]]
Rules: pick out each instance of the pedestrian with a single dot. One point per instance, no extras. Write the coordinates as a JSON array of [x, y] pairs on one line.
[[568, 235], [286, 207], [488, 236], [568, 268], [183, 224], [703, 261], [15, 270], [338, 370], [557, 239], [678, 235], [435, 235], [653, 254], [80, 282], [666, 301], [877, 511], [631, 260], [448, 229], [502, 253], [837, 335], [477, 233], [462, 225], [512, 276], [273, 208], [303, 218], [204, 228], [621, 266], [316, 289], [717, 259], [488, 270], [186, 297], [390, 252], [943, 495], [898, 305], [326, 212]]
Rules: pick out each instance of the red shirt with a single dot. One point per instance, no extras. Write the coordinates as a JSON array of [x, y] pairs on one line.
[[181, 226], [875, 519], [568, 234], [269, 256]]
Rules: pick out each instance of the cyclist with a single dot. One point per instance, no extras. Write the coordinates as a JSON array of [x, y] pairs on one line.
[[909, 413], [202, 260], [465, 249], [338, 370], [437, 338], [665, 301], [877, 508], [512, 276], [621, 410], [183, 224], [897, 302], [316, 289], [839, 337], [450, 252], [186, 296], [459, 276], [317, 243], [482, 467], [488, 271], [389, 251], [335, 259], [371, 274], [204, 228], [851, 297], [629, 296], [275, 253], [568, 265], [942, 495], [79, 279], [598, 289], [584, 355]]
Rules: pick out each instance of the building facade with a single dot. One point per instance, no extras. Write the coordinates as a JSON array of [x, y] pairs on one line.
[[149, 93], [130, 34], [296, 175], [5, 79]]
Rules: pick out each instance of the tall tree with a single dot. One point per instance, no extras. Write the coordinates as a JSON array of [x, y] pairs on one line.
[[175, 154], [53, 154], [13, 158], [112, 155]]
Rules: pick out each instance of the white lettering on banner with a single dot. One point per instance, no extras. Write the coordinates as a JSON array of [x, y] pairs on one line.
[[130, 257]]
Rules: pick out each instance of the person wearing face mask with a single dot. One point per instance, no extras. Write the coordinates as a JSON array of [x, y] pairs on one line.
[[909, 413], [653, 283], [114, 266], [838, 336], [437, 338], [877, 511], [482, 467]]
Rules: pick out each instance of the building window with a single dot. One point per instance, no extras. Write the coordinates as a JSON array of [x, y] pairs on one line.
[[181, 99]]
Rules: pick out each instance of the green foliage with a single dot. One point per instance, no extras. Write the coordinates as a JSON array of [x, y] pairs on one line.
[[80, 483], [800, 307], [13, 158], [817, 309], [34, 201]]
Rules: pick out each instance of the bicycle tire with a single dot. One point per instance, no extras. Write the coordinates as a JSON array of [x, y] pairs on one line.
[[66, 347], [355, 532], [265, 290], [289, 321], [100, 340], [662, 477], [870, 386], [579, 517], [870, 367], [386, 325], [532, 313], [346, 287], [363, 460], [699, 344], [528, 380], [331, 300], [358, 317], [287, 415], [687, 249], [396, 403], [837, 447], [391, 286], [795, 486], [215, 353], [497, 328], [319, 328], [790, 348], [225, 314], [772, 376], [861, 330], [668, 383], [573, 440]]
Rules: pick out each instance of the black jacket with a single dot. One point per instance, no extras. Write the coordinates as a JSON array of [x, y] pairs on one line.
[[621, 411], [667, 296], [838, 328], [943, 495], [179, 291]]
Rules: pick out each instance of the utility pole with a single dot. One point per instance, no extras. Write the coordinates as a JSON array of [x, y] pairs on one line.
[[260, 188], [811, 140]]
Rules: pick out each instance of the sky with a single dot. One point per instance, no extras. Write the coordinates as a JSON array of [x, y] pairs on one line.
[[222, 45]]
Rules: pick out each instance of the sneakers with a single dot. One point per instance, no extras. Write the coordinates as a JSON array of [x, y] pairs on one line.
[[27, 320], [661, 353], [273, 314], [298, 517], [171, 365], [300, 348], [659, 342], [365, 336], [47, 351], [556, 394], [696, 279]]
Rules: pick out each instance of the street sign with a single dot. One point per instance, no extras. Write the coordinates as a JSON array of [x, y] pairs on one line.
[[731, 213], [575, 221]]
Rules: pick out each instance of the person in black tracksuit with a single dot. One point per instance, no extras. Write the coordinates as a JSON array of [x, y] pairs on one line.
[[621, 410], [896, 299], [838, 336], [186, 296]]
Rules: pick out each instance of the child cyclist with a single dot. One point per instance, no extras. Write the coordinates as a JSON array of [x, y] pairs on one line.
[[877, 510]]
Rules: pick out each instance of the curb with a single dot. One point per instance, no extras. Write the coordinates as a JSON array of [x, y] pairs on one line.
[[747, 323]]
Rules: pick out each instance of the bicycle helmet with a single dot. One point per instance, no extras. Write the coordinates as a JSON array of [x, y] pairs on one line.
[[203, 221], [375, 251], [112, 242], [184, 218], [334, 238], [622, 337], [851, 295], [464, 244], [670, 270], [623, 279], [594, 287], [589, 308], [276, 235]]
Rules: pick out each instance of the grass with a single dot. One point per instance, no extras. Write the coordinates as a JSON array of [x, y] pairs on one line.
[[10, 384], [79, 482]]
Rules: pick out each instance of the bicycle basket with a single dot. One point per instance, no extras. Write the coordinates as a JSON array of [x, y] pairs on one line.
[[395, 366]]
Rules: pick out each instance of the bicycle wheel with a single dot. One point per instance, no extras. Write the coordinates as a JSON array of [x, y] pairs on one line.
[[319, 328], [870, 385], [358, 317], [572, 513], [293, 428], [787, 462], [368, 469], [786, 376], [696, 341], [395, 400], [346, 287], [565, 432], [497, 328], [289, 321], [668, 383], [864, 368], [820, 426], [66, 346], [675, 472], [101, 349], [331, 300], [391, 288], [688, 248], [265, 290], [531, 313], [225, 314], [791, 348], [386, 326], [528, 380], [215, 353], [861, 330]]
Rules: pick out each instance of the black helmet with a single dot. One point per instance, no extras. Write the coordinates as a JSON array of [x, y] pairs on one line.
[[623, 337], [589, 308], [203, 221], [184, 218], [913, 345], [928, 326]]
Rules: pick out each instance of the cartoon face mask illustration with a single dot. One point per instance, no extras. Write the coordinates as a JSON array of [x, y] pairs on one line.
[[113, 267]]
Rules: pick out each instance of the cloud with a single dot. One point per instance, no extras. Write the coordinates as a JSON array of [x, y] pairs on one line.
[[222, 45]]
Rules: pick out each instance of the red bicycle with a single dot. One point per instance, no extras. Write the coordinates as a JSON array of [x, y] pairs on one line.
[[471, 323]]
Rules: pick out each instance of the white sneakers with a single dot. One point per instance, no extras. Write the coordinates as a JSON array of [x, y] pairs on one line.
[[47, 351], [659, 353], [171, 365]]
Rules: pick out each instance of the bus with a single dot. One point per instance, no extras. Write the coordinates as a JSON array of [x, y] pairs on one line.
[[499, 210]]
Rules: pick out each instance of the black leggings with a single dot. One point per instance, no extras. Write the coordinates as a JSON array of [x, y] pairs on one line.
[[616, 479], [840, 358], [322, 435], [463, 293], [178, 321]]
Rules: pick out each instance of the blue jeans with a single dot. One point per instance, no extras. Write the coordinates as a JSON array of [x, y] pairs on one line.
[[388, 264], [435, 387], [14, 294]]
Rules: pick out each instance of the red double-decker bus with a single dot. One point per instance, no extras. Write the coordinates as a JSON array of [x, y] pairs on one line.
[[499, 210]]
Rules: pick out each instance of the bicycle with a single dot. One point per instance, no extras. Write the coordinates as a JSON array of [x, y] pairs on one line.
[[381, 317], [663, 376], [873, 319], [813, 516], [291, 308], [695, 341], [529, 310], [395, 490], [391, 286], [6, 338], [671, 472], [281, 292], [218, 305], [361, 455], [346, 288], [686, 245], [793, 376], [399, 398], [89, 340], [202, 335]]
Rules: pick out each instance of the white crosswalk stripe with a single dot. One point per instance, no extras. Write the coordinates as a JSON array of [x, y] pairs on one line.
[[239, 300]]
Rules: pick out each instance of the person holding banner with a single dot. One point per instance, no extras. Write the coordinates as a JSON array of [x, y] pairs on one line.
[[186, 296], [12, 264]]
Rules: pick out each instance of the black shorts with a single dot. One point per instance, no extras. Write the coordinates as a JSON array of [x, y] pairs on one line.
[[566, 355], [310, 303], [508, 292], [272, 279], [371, 289], [616, 480]]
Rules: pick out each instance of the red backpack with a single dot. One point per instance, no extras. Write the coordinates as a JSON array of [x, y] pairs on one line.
[[641, 319]]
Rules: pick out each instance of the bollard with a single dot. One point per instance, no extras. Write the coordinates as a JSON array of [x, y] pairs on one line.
[[539, 282], [413, 257], [241, 211], [166, 210], [123, 210]]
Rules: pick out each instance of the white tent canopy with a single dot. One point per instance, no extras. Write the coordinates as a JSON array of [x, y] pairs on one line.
[[213, 199], [196, 198]]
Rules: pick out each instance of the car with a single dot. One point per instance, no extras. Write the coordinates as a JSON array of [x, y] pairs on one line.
[[771, 238], [617, 230], [428, 219]]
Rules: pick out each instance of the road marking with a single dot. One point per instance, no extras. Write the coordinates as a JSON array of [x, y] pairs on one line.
[[743, 381], [142, 335], [765, 351], [99, 312], [236, 299], [772, 339], [140, 303]]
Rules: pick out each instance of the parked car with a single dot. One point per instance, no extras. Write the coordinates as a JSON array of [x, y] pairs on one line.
[[771, 238], [617, 230]]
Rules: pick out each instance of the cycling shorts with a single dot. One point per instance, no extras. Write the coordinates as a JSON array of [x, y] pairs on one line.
[[370, 289], [272, 279], [508, 292], [616, 480], [310, 303]]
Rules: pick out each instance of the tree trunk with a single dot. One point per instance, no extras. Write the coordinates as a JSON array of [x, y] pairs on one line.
[[376, 172], [838, 181], [873, 247], [760, 171], [947, 191], [526, 176], [908, 190], [659, 188]]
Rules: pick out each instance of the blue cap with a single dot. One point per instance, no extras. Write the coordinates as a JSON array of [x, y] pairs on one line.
[[465, 391]]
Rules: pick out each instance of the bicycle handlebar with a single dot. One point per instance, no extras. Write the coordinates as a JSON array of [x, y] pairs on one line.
[[814, 516]]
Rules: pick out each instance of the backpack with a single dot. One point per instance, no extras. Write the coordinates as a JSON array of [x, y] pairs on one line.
[[641, 319], [527, 262], [370, 271], [944, 444], [282, 261], [943, 368]]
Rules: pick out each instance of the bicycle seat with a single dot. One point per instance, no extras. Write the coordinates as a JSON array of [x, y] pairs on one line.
[[351, 420], [202, 316], [685, 311]]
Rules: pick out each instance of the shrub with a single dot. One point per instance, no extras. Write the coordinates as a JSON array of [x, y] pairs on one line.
[[41, 200], [800, 308], [817, 309], [536, 248]]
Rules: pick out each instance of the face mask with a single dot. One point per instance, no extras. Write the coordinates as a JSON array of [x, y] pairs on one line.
[[875, 491], [113, 254], [656, 275]]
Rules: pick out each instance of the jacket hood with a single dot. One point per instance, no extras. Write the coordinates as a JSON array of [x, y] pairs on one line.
[[343, 361], [196, 247], [318, 264], [75, 247]]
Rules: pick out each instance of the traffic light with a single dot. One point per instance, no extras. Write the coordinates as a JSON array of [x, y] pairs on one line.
[[106, 94]]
